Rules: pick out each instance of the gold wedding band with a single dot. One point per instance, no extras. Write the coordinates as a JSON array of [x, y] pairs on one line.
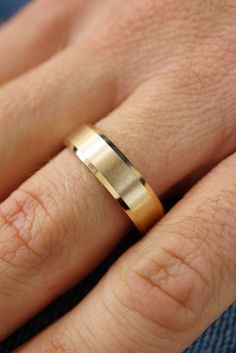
[[117, 175]]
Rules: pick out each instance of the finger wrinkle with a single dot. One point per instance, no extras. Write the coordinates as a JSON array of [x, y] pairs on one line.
[[12, 240], [24, 216]]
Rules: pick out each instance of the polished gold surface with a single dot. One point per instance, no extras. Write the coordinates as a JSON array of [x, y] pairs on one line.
[[117, 175]]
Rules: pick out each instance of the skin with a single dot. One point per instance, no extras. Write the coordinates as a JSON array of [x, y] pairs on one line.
[[158, 78]]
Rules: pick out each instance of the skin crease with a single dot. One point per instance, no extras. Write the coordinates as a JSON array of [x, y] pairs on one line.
[[159, 78]]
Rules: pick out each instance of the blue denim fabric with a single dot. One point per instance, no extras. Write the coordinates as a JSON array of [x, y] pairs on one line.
[[9, 7], [219, 338]]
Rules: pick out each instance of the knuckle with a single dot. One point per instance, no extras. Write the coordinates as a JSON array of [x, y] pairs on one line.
[[172, 284], [26, 228], [68, 341], [123, 318], [168, 286], [58, 344]]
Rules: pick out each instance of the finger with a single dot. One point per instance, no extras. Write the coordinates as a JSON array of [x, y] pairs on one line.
[[63, 219], [166, 289], [31, 38], [42, 98], [42, 107]]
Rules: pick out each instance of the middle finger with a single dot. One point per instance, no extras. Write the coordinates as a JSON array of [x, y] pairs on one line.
[[63, 219]]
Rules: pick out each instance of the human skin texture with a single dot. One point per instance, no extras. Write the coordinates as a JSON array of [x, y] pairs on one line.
[[158, 77]]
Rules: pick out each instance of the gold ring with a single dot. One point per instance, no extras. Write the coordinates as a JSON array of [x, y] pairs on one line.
[[117, 175]]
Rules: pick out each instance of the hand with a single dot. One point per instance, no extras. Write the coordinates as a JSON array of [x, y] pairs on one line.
[[162, 73]]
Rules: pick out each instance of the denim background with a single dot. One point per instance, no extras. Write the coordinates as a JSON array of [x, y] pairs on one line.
[[219, 338]]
